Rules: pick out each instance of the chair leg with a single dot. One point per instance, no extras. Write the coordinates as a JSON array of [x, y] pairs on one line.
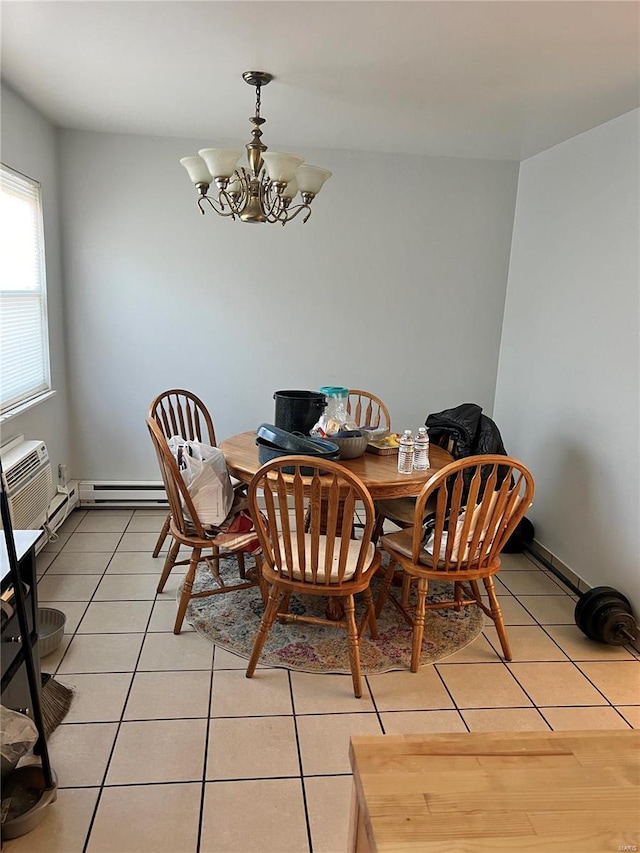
[[268, 618], [406, 590], [186, 589], [475, 589], [283, 609], [496, 615], [370, 620], [241, 568], [377, 528], [264, 590], [168, 565], [354, 644], [162, 536], [418, 623], [386, 586]]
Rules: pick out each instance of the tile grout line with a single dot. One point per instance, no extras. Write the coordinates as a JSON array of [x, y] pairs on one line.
[[119, 723], [302, 784], [375, 705], [206, 753], [450, 694]]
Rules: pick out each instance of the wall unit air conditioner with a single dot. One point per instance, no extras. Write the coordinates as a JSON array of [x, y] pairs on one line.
[[29, 483]]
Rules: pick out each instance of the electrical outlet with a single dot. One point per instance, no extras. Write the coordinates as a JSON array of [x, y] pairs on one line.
[[63, 476]]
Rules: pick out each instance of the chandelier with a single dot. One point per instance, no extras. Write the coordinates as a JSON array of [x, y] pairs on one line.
[[265, 191]]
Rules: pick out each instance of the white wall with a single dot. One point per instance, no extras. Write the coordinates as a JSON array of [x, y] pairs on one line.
[[29, 146], [396, 285], [568, 390]]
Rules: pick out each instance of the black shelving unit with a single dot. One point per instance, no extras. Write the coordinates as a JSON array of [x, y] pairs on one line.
[[15, 685], [22, 663]]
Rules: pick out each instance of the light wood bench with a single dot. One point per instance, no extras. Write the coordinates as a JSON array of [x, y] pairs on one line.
[[524, 791]]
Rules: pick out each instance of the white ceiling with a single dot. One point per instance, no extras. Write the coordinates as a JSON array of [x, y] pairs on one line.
[[463, 79]]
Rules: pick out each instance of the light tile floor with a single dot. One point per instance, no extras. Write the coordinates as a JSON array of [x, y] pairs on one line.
[[169, 749]]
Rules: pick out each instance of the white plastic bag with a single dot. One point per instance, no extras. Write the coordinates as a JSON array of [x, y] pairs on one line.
[[429, 539], [205, 475], [18, 733]]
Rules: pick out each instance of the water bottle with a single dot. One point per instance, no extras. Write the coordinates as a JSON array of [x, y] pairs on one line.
[[421, 450], [405, 453]]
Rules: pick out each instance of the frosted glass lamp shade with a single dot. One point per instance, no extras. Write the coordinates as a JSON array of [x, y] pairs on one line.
[[221, 162], [311, 178], [281, 167], [197, 169], [291, 189]]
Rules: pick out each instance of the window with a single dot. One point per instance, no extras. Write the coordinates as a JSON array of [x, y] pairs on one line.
[[24, 341]]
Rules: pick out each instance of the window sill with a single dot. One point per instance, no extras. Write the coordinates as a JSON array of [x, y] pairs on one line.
[[24, 407]]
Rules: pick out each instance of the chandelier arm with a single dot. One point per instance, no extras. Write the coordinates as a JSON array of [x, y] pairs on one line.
[[220, 212], [235, 207], [273, 200], [292, 212], [244, 177]]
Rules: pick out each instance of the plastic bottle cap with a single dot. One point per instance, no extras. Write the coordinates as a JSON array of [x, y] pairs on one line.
[[334, 391]]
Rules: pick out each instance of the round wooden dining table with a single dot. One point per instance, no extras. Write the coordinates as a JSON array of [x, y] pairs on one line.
[[379, 473]]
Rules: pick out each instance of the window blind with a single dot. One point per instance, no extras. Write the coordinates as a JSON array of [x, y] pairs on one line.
[[24, 344]]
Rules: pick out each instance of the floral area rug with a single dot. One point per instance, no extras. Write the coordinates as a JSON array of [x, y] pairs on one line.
[[231, 621]]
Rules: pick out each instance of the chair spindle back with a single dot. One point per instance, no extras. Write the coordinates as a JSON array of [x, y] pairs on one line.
[[367, 410], [179, 412], [329, 498], [479, 502]]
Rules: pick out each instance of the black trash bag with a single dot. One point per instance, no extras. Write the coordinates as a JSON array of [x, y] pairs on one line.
[[521, 537]]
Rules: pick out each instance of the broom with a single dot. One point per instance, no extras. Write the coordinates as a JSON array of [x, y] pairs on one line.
[[55, 699]]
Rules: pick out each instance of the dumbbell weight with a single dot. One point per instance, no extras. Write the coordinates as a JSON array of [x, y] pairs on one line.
[[593, 595], [604, 614]]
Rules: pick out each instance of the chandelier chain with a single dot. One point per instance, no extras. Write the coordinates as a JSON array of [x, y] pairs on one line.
[[258, 101]]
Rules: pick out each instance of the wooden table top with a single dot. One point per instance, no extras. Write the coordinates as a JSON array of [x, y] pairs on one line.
[[515, 791], [378, 473]]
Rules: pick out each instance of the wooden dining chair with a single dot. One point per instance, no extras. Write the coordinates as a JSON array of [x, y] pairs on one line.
[[179, 412], [479, 502], [186, 529], [321, 561], [367, 410]]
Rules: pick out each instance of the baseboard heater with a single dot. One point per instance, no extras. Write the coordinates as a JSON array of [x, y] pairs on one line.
[[122, 493], [62, 504]]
